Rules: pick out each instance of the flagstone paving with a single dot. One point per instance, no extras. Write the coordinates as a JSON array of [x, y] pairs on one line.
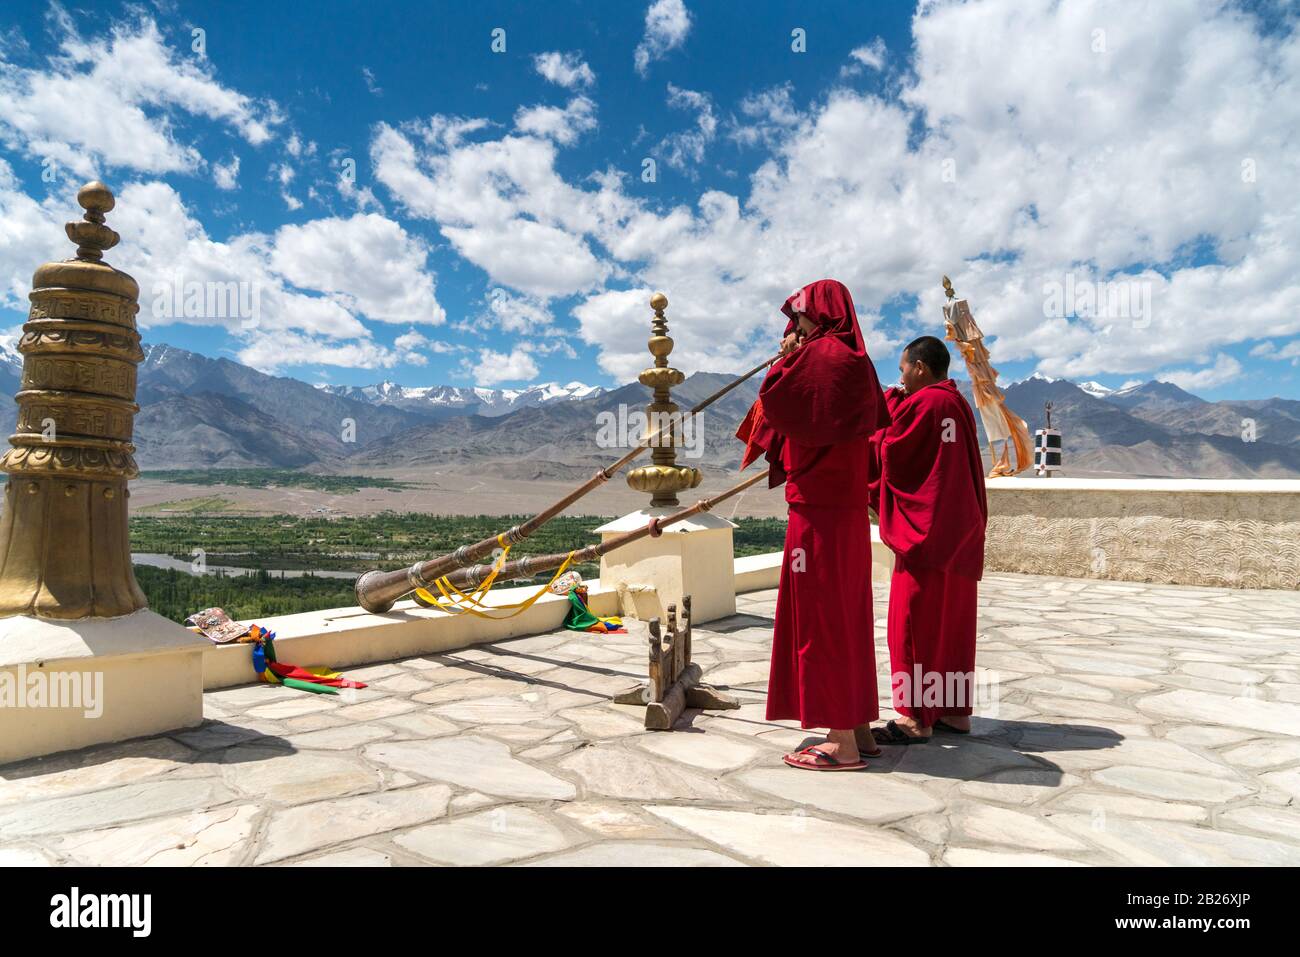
[[1131, 724]]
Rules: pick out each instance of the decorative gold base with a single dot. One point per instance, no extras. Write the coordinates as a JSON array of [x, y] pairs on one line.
[[664, 481], [81, 566]]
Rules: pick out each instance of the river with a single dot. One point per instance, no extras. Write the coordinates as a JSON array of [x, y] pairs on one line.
[[181, 565]]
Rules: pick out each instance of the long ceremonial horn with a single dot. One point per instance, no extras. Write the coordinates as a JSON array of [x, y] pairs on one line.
[[532, 565], [378, 590]]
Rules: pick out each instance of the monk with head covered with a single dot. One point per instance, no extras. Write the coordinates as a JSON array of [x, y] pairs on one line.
[[813, 421]]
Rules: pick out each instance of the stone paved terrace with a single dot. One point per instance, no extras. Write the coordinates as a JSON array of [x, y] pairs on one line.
[[1137, 724]]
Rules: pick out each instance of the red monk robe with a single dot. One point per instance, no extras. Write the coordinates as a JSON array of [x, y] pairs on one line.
[[817, 409], [928, 491]]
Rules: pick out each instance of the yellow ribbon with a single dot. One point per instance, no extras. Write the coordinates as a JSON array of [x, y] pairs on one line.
[[456, 602]]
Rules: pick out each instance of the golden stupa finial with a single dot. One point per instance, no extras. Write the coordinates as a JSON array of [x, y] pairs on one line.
[[947, 287], [65, 550], [89, 233], [664, 478]]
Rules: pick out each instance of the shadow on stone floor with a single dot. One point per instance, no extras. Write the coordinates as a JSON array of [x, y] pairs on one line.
[[207, 743], [994, 749], [737, 622], [486, 668], [451, 660]]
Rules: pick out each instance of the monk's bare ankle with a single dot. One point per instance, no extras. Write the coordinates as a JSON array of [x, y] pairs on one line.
[[911, 726], [846, 743]]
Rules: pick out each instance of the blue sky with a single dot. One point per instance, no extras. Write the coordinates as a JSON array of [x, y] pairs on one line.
[[500, 230]]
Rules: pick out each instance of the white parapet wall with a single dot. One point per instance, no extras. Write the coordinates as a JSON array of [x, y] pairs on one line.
[[691, 557], [1236, 534], [71, 684], [346, 637]]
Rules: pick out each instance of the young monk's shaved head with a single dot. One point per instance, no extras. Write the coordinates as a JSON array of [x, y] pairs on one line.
[[932, 352]]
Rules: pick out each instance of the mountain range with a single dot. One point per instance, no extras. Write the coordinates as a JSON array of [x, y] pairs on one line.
[[446, 401], [1158, 429], [200, 412]]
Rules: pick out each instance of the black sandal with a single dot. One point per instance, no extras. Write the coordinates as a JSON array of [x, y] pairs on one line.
[[891, 733]]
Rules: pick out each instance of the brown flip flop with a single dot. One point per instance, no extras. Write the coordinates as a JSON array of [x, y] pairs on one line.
[[891, 734]]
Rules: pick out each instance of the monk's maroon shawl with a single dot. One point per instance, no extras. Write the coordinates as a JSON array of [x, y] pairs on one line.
[[822, 394], [928, 481]]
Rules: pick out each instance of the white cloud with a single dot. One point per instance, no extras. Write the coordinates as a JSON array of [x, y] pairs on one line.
[[167, 249], [410, 340], [408, 346], [1060, 161], [369, 263], [540, 260], [364, 197], [310, 285], [345, 181], [494, 368], [1267, 350], [285, 174], [562, 125], [685, 149], [271, 353], [771, 115], [500, 203], [368, 75], [226, 175], [871, 56], [666, 24], [568, 70], [1224, 370], [138, 88], [31, 233], [517, 314], [307, 286], [447, 132], [1062, 165], [1089, 140]]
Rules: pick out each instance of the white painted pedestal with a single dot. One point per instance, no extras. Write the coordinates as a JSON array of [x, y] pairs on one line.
[[694, 557], [132, 676]]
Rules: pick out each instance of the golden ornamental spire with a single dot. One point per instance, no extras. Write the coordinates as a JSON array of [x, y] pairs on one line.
[[665, 478], [64, 544]]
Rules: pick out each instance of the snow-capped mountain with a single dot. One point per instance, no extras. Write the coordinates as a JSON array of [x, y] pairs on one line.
[[439, 400], [1096, 389], [1153, 394], [11, 374], [199, 412], [11, 359]]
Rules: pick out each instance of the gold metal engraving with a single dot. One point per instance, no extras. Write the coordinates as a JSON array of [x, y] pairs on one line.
[[64, 544]]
